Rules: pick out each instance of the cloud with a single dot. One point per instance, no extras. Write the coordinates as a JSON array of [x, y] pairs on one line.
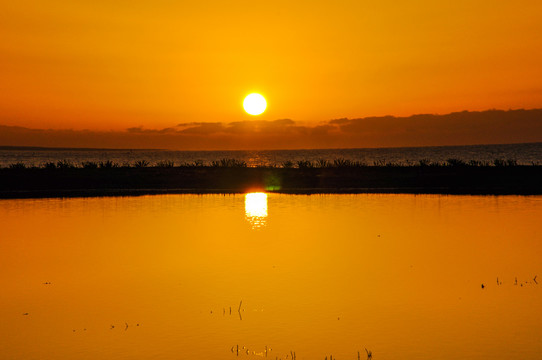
[[238, 127], [323, 129], [202, 128], [339, 121], [459, 128], [141, 130], [261, 126]]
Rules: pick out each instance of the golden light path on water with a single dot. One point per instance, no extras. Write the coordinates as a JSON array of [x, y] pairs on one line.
[[256, 209]]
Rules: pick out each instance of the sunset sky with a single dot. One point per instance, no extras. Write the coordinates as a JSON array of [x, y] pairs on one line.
[[109, 66]]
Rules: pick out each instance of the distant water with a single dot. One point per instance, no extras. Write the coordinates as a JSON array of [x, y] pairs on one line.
[[525, 154]]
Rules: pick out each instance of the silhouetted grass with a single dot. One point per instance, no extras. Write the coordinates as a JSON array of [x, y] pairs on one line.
[[61, 164], [455, 162], [502, 162], [89, 165], [346, 163], [17, 165], [300, 164], [107, 164], [424, 162], [478, 163], [229, 163], [165, 164], [342, 163], [322, 163], [141, 164], [288, 164], [65, 164], [196, 163], [304, 164]]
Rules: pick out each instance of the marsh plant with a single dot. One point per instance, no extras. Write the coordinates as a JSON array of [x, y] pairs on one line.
[[424, 162], [347, 163], [322, 163], [288, 164], [141, 164], [502, 162], [304, 164], [300, 164], [89, 165], [165, 164], [65, 164], [455, 162], [107, 164], [197, 163], [18, 165], [229, 163], [342, 162], [61, 164]]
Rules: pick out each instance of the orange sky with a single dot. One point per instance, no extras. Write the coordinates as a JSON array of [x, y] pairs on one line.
[[112, 65]]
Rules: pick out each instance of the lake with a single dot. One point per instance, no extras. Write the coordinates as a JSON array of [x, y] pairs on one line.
[[266, 275], [523, 154]]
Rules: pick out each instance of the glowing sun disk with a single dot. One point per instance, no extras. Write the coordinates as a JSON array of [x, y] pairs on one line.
[[254, 104]]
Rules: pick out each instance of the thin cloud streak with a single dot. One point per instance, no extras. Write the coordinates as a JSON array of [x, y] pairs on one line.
[[460, 128]]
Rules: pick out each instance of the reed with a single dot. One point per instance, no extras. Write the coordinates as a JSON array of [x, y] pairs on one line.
[[507, 162], [18, 165], [196, 163], [65, 164], [300, 164], [107, 164], [304, 164], [322, 163], [89, 165], [229, 163], [424, 162], [475, 163], [395, 164], [141, 164], [165, 164], [455, 162], [342, 162], [288, 164]]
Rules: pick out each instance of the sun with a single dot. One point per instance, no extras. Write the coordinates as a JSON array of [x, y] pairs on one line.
[[254, 104]]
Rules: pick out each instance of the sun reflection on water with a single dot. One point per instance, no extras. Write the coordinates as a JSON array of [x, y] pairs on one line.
[[256, 209]]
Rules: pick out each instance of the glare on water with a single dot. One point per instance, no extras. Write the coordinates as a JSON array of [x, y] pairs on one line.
[[187, 276], [256, 209]]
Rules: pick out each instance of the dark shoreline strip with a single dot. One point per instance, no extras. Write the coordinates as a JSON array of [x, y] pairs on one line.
[[44, 183], [7, 195]]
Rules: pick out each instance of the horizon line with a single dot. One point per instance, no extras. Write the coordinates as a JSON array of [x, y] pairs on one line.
[[46, 148]]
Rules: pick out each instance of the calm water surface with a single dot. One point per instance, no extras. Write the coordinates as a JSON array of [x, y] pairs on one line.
[[524, 154], [154, 277]]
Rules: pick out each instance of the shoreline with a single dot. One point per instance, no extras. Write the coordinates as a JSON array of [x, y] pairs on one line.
[[129, 181], [91, 193]]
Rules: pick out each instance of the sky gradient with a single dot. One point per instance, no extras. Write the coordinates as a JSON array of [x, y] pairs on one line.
[[116, 65]]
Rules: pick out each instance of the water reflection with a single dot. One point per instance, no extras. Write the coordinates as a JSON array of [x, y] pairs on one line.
[[256, 209], [400, 275]]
